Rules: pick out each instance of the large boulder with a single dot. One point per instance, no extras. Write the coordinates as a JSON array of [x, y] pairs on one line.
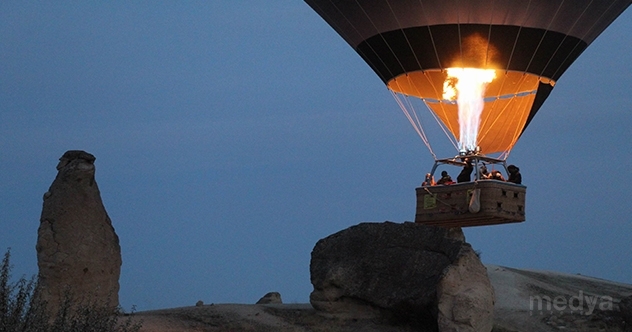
[[465, 295], [427, 276], [78, 252]]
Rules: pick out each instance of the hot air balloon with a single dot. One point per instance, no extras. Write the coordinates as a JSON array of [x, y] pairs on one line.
[[482, 67]]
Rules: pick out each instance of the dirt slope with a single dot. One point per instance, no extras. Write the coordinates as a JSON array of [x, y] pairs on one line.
[[526, 300]]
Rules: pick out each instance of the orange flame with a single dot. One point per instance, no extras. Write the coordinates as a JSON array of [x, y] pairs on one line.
[[467, 86]]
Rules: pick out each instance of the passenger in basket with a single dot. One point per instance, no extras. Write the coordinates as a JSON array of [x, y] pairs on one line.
[[497, 176], [465, 174], [445, 178], [429, 180], [514, 174], [484, 173]]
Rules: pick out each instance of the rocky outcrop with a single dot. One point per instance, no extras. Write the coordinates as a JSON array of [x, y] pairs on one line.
[[271, 298], [625, 308], [77, 249], [465, 295], [425, 275]]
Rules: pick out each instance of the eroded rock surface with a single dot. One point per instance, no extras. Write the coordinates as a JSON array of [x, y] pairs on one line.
[[396, 269], [465, 295], [271, 298], [625, 306], [77, 247]]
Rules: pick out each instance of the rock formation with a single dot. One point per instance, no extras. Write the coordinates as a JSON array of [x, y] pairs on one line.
[[463, 295], [625, 307], [77, 249], [513, 312], [427, 276], [270, 298]]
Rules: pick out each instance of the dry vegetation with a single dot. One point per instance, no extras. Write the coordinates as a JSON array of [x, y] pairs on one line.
[[21, 310]]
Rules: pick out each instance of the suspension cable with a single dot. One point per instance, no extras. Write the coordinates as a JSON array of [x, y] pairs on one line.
[[417, 126], [443, 127]]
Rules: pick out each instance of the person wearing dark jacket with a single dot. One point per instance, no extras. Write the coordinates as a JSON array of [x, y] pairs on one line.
[[466, 172], [445, 178], [514, 174]]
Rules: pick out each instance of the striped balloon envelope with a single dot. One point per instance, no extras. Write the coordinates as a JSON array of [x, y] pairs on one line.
[[529, 44]]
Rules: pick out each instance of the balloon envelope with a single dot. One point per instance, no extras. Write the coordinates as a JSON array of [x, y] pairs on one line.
[[530, 44]]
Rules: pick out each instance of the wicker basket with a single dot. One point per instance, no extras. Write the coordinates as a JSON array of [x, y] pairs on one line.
[[450, 205]]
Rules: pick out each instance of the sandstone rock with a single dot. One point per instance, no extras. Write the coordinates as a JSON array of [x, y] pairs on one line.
[[77, 248], [270, 298], [395, 269], [465, 295], [625, 307]]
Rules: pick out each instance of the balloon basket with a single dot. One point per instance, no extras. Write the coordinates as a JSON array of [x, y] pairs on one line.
[[477, 203]]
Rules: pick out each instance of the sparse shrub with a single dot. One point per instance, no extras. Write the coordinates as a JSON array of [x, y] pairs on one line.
[[21, 310], [478, 253]]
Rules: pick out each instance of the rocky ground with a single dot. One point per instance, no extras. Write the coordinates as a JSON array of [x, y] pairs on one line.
[[255, 317], [526, 300]]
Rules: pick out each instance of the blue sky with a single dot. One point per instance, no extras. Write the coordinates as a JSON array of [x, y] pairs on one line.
[[231, 136]]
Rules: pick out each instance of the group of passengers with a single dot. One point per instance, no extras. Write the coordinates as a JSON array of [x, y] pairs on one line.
[[484, 174]]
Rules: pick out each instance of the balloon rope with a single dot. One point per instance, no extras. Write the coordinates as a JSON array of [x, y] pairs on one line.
[[405, 35], [482, 135], [447, 134], [489, 35], [377, 31], [544, 34], [417, 126], [579, 41], [516, 134], [559, 45], [442, 126], [515, 138], [513, 49], [350, 22], [430, 34], [438, 93]]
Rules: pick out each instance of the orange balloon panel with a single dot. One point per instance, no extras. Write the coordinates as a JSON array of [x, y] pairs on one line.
[[508, 101], [422, 84], [429, 84], [502, 121], [511, 83]]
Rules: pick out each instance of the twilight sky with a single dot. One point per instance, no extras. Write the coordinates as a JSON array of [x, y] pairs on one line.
[[231, 136]]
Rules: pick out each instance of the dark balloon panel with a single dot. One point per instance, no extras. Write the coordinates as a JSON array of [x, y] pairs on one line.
[[530, 43]]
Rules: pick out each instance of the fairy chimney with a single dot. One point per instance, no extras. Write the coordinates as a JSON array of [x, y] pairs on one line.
[[77, 248]]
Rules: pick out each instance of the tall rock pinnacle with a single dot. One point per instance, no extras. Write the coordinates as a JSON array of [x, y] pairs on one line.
[[77, 248]]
